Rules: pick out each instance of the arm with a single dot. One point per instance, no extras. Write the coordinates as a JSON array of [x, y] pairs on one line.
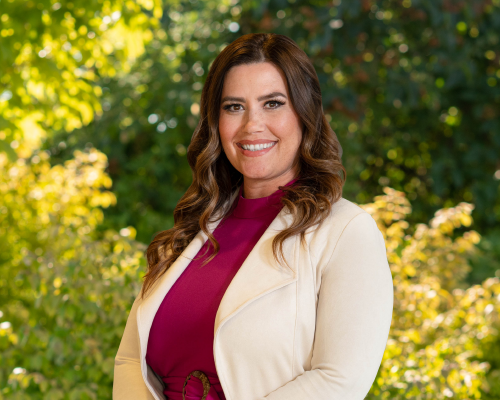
[[128, 383], [353, 319]]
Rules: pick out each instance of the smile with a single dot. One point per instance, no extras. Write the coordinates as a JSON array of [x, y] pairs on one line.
[[257, 147]]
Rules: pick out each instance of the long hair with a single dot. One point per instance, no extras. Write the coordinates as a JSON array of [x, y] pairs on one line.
[[309, 199]]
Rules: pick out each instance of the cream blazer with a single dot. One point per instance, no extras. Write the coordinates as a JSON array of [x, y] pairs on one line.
[[315, 332]]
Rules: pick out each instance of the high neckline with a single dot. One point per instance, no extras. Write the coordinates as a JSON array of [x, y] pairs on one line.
[[253, 208]]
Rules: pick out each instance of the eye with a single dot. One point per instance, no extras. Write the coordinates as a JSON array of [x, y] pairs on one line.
[[275, 103], [228, 107]]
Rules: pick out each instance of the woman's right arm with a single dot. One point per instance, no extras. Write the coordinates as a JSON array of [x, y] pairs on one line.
[[128, 383]]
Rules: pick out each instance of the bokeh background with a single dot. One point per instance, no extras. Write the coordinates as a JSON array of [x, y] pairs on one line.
[[98, 102]]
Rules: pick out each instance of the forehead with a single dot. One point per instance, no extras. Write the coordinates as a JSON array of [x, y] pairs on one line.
[[257, 78]]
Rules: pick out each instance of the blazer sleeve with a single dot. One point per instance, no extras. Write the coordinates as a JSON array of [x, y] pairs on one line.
[[353, 319], [128, 383]]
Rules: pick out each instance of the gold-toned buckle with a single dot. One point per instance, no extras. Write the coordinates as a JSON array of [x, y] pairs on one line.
[[204, 380]]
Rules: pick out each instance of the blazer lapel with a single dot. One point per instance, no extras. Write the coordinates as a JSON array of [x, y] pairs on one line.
[[146, 311], [260, 273]]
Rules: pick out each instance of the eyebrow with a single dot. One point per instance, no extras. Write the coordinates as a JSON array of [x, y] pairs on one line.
[[242, 100]]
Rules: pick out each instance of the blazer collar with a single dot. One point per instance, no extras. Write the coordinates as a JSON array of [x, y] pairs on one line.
[[258, 275]]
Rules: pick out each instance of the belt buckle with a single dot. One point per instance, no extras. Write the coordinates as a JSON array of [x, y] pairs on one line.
[[204, 380]]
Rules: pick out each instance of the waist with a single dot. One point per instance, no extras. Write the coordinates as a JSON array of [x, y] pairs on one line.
[[193, 389]]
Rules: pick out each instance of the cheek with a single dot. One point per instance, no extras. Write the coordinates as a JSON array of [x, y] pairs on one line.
[[225, 132], [287, 127]]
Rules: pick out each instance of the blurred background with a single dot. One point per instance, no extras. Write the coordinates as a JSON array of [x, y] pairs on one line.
[[98, 102]]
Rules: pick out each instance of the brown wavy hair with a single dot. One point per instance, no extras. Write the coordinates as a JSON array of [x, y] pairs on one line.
[[309, 199]]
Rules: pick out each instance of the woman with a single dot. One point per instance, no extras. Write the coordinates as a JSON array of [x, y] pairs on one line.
[[270, 285]]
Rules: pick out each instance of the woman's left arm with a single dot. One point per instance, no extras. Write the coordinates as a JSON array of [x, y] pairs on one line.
[[353, 319], [128, 383]]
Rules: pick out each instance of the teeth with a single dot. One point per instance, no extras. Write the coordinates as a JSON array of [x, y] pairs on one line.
[[257, 147]]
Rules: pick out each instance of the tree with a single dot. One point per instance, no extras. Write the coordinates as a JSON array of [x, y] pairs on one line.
[[405, 83], [49, 57], [150, 114], [435, 348], [409, 87], [64, 295]]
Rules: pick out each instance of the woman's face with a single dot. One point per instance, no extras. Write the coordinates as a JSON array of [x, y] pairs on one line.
[[259, 129]]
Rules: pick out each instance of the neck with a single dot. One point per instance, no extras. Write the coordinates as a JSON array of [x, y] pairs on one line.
[[257, 188]]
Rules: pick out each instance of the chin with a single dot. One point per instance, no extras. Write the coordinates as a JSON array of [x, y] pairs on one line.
[[257, 174]]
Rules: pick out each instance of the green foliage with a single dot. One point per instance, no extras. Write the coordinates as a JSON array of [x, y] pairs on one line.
[[487, 260], [412, 96], [51, 56], [150, 114], [411, 88], [64, 295], [439, 323]]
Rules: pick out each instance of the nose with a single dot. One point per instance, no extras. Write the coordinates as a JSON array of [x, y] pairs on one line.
[[253, 121]]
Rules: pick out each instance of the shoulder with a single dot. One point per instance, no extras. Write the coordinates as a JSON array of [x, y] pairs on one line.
[[344, 209], [344, 215]]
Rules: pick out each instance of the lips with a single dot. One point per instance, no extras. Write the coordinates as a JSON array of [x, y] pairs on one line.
[[259, 141], [253, 148]]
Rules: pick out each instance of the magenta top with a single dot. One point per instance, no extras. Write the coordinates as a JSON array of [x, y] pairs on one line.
[[182, 334]]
